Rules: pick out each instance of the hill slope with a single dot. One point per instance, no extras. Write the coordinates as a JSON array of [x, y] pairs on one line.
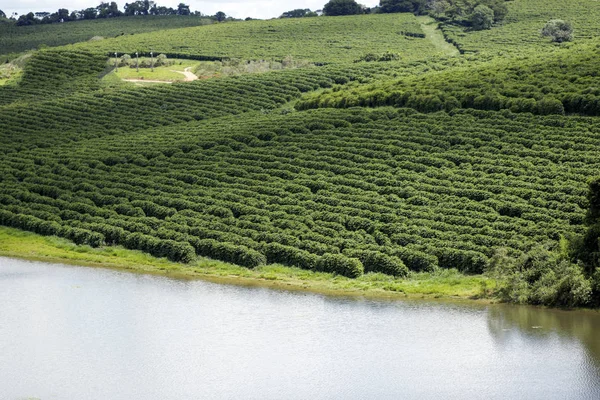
[[16, 39], [564, 80], [228, 168], [322, 40]]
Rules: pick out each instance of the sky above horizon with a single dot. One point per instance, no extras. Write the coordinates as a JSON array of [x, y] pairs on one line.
[[262, 9]]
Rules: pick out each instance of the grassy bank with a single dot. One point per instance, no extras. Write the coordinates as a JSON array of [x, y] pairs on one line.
[[441, 284], [170, 73]]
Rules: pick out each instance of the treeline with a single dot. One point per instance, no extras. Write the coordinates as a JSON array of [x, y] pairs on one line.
[[476, 14], [104, 10]]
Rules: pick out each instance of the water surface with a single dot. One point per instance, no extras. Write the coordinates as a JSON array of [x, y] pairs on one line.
[[85, 333]]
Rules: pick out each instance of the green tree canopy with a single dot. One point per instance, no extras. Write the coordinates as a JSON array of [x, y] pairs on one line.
[[183, 9], [558, 30], [397, 6], [482, 17], [220, 16], [298, 13], [341, 7]]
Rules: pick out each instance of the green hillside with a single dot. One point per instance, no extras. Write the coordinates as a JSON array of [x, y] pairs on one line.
[[520, 31], [360, 162], [323, 40], [394, 182], [16, 39], [562, 81]]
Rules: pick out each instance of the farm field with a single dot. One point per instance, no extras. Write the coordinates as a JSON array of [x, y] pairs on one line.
[[17, 39], [561, 81], [423, 188], [520, 31], [422, 161], [320, 40]]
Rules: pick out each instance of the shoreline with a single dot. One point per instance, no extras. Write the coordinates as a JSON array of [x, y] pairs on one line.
[[440, 285]]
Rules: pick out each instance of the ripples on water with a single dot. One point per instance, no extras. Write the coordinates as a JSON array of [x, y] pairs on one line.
[[82, 333]]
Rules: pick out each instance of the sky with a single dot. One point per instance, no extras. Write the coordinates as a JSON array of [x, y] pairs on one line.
[[262, 9]]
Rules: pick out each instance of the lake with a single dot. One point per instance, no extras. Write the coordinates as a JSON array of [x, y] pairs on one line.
[[70, 332]]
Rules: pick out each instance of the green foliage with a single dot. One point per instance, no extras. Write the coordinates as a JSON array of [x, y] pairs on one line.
[[340, 264], [390, 187], [319, 40], [399, 6], [341, 7], [519, 32], [16, 39], [530, 85], [558, 30], [587, 247], [374, 261], [482, 17], [298, 13], [387, 56], [227, 169], [593, 214], [540, 277]]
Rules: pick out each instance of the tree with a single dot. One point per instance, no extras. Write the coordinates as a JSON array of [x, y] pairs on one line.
[[89, 13], [498, 7], [183, 9], [463, 11], [588, 250], [27, 19], [342, 7], [2, 15], [398, 6], [558, 30], [220, 16], [439, 7], [139, 7], [62, 15], [106, 10], [298, 13], [162, 10], [482, 17]]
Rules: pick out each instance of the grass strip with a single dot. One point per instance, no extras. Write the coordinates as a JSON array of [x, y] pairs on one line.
[[445, 284]]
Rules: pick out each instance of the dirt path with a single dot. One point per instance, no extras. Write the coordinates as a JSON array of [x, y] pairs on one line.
[[145, 80], [431, 31], [188, 75]]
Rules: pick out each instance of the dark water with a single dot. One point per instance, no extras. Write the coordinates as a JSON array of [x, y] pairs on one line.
[[82, 333]]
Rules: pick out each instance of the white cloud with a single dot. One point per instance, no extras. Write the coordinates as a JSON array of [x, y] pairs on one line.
[[236, 8]]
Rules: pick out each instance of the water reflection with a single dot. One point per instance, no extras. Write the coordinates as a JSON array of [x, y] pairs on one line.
[[71, 332], [580, 326]]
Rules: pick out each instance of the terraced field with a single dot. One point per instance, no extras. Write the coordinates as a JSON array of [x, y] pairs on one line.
[[16, 39], [431, 190], [321, 40], [562, 81], [430, 161], [520, 32]]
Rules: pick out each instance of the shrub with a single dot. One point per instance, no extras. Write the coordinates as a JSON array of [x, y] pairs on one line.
[[416, 260], [375, 261], [340, 264], [540, 277], [236, 254], [291, 256], [176, 251], [548, 106], [558, 30], [464, 260]]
